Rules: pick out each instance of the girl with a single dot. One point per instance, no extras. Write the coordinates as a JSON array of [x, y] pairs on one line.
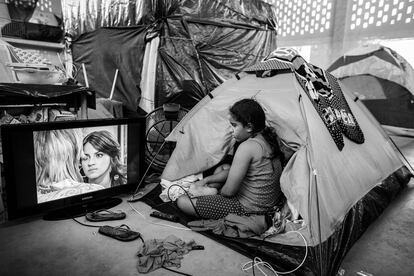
[[101, 159], [251, 183]]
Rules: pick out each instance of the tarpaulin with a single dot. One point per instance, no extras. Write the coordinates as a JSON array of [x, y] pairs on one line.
[[202, 43], [82, 16], [105, 50]]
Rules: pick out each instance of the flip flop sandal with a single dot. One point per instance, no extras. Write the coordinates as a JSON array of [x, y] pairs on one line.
[[122, 232], [103, 215]]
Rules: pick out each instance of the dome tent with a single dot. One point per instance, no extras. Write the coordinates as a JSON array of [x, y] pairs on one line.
[[384, 81], [343, 173]]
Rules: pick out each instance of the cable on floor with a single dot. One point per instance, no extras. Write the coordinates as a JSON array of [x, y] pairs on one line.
[[178, 272], [84, 224], [146, 171], [159, 224], [256, 262]]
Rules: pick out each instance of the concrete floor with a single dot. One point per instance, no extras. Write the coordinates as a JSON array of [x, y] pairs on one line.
[[387, 247], [35, 247], [38, 247]]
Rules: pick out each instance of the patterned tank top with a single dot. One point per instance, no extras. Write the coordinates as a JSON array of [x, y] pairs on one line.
[[260, 189]]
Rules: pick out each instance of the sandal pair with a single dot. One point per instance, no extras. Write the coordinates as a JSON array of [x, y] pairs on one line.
[[122, 232], [104, 215]]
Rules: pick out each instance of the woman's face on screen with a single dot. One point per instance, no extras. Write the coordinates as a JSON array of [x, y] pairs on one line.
[[95, 164]]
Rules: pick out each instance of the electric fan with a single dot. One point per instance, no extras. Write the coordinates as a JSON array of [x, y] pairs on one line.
[[159, 124]]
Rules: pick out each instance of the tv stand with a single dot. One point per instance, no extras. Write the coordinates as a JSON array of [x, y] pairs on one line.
[[82, 209]]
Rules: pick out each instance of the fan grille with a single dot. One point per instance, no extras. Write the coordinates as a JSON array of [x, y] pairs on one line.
[[158, 127]]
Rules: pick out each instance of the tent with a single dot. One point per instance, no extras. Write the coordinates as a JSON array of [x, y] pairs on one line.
[[343, 173], [384, 81], [166, 51]]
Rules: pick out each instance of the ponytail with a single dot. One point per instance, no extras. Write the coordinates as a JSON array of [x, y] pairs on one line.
[[269, 134], [249, 111]]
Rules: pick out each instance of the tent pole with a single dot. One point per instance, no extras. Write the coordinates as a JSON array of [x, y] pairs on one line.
[[403, 156], [319, 224], [84, 104], [383, 132], [314, 172], [113, 85]]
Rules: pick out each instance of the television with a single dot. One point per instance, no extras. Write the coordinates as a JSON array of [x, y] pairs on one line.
[[67, 168]]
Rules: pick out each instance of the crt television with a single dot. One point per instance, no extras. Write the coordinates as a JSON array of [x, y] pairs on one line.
[[51, 168]]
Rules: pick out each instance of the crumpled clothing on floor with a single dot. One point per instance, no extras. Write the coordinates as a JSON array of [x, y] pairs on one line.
[[232, 225], [168, 252]]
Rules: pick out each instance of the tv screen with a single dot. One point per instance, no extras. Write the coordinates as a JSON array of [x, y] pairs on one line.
[[71, 167]]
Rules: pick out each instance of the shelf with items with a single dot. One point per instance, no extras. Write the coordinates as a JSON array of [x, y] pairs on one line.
[[19, 95], [36, 43]]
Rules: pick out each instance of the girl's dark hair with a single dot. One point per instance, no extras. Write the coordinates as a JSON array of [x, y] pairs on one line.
[[248, 111], [103, 141]]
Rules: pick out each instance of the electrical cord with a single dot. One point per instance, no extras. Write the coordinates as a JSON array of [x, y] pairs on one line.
[[168, 195], [84, 224], [255, 253], [90, 225], [155, 205], [257, 261], [74, 68], [138, 186], [149, 166], [178, 272], [140, 237], [159, 224], [166, 225], [188, 195]]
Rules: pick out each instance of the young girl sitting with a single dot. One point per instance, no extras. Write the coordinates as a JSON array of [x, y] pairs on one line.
[[251, 183]]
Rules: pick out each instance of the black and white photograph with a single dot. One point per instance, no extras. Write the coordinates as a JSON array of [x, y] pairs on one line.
[[207, 137]]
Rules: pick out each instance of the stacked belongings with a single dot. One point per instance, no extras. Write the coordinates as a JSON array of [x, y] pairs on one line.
[[343, 172]]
